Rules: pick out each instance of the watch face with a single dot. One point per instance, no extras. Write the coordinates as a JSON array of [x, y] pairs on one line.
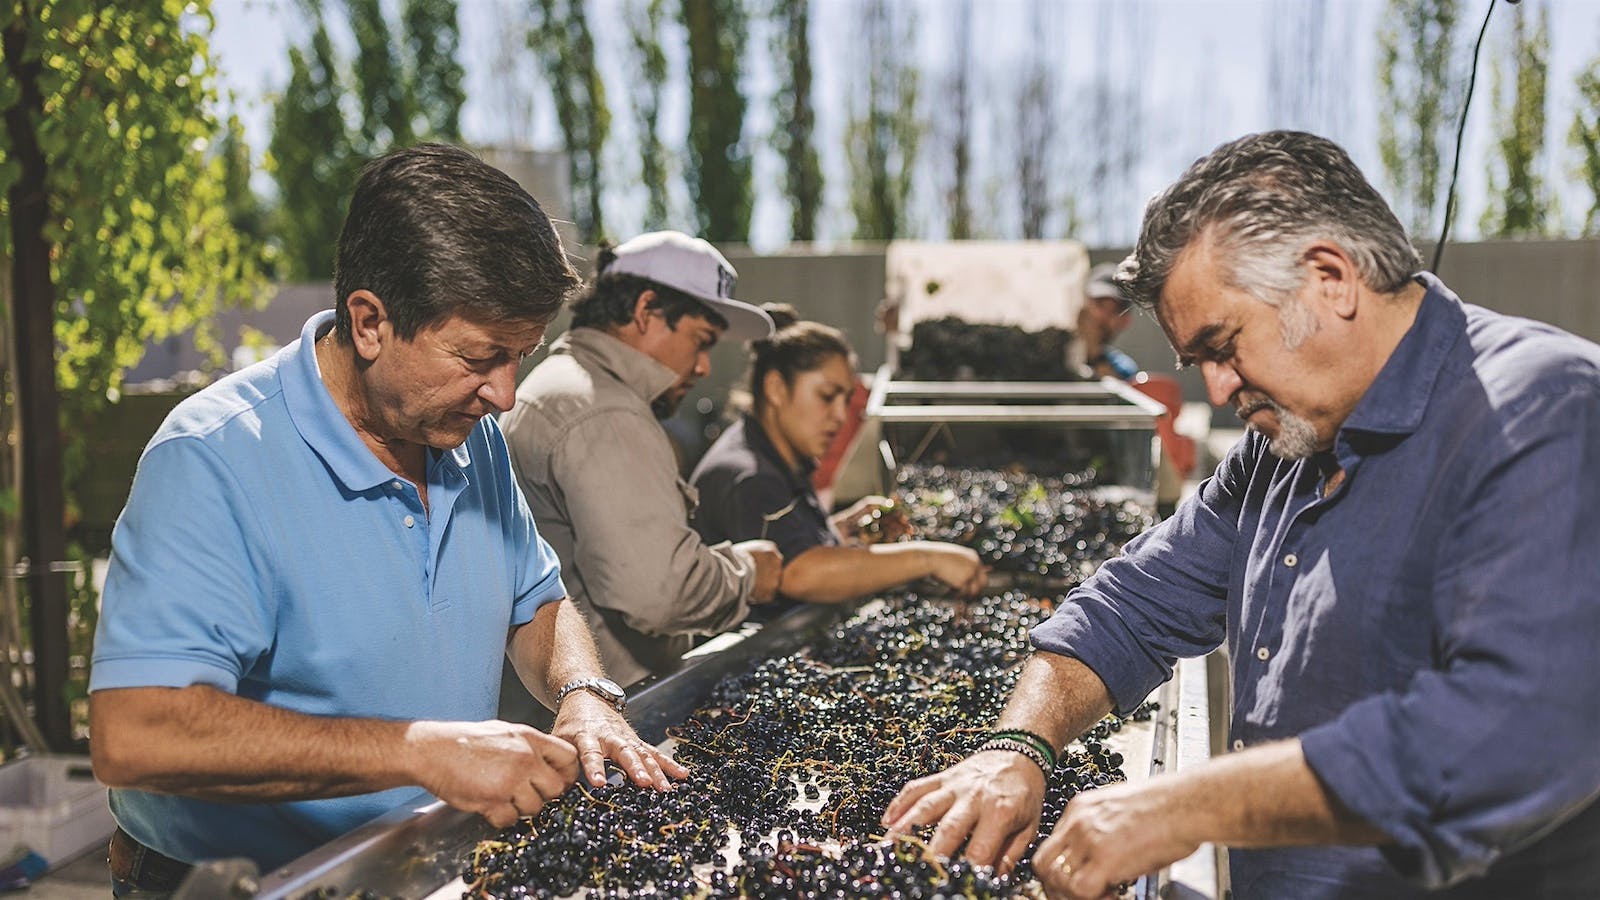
[[604, 688]]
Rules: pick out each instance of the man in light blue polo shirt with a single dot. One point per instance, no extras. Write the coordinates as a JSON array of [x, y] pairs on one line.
[[323, 555]]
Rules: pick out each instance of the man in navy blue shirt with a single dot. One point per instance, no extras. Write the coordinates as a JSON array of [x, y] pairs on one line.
[[1402, 555]]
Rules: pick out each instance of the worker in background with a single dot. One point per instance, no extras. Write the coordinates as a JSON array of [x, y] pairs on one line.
[[1104, 315], [1401, 554], [599, 471], [755, 481], [325, 558]]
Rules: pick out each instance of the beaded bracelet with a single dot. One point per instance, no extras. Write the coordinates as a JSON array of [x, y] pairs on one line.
[[1023, 747], [1029, 737]]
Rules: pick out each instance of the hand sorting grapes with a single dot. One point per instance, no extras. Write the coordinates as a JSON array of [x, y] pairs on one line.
[[334, 551]]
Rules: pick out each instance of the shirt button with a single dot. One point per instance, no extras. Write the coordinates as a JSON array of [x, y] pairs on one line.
[[396, 485], [1261, 652], [410, 521], [1290, 560], [1238, 745]]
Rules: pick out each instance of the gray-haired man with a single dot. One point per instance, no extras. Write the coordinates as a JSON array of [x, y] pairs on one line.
[[1401, 554]]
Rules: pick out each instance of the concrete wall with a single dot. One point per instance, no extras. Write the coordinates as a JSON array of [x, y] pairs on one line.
[[1553, 281]]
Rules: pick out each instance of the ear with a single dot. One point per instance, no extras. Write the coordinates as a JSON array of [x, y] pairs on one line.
[[1333, 277], [642, 310], [369, 323], [774, 389]]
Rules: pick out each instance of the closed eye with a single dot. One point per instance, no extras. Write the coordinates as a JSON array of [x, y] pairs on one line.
[[1209, 349]]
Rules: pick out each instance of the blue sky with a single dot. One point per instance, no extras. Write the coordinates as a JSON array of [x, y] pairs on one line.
[[1191, 74]]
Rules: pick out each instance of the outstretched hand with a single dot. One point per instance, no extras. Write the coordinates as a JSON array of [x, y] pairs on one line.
[[990, 800], [600, 733]]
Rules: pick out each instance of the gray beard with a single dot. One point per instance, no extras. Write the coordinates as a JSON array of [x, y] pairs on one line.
[[1297, 438]]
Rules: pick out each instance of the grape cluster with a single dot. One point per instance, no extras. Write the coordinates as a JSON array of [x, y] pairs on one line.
[[794, 761], [1054, 528], [793, 764]]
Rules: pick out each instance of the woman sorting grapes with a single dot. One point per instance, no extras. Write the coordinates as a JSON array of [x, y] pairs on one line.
[[755, 481]]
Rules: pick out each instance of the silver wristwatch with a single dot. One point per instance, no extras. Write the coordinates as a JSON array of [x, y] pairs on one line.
[[604, 688]]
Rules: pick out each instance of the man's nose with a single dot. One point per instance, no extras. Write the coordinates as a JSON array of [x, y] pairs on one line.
[[702, 364], [1222, 382], [500, 390]]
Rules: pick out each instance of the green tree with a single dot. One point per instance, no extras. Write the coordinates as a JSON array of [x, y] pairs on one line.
[[1585, 138], [719, 157], [1519, 203], [1418, 96], [562, 40], [313, 159], [796, 117], [246, 212], [1035, 131], [645, 18], [380, 82], [884, 127], [402, 89], [118, 235], [433, 41], [954, 129]]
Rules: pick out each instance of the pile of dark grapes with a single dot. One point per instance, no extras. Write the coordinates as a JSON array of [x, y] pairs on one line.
[[985, 352], [794, 761], [793, 764], [1057, 528]]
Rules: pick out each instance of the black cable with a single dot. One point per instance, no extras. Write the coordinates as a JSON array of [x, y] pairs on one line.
[[1461, 130]]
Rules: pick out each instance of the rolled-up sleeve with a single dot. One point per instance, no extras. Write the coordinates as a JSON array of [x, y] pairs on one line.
[[538, 576], [1495, 745], [635, 550], [1164, 598]]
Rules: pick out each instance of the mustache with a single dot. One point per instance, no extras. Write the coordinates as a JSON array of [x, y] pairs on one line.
[[1247, 407]]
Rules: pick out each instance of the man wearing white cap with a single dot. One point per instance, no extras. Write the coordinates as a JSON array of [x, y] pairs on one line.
[[598, 469], [1105, 313]]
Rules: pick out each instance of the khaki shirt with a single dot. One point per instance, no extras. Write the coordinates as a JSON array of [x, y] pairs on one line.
[[601, 478]]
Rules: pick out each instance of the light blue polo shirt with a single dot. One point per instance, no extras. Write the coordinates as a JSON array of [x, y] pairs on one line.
[[265, 551]]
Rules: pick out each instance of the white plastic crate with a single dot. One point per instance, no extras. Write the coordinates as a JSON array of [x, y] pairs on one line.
[[53, 806]]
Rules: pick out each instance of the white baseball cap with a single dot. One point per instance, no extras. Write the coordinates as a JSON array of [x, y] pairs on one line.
[[1101, 283], [688, 264]]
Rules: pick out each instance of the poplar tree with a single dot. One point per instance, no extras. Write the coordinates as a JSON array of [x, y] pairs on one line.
[[562, 39], [719, 157], [797, 117], [645, 19], [313, 158], [884, 127], [1584, 137], [1520, 205], [433, 44], [1419, 97]]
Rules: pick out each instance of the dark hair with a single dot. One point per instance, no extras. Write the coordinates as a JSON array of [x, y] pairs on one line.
[[795, 346], [1260, 199], [433, 230], [610, 299]]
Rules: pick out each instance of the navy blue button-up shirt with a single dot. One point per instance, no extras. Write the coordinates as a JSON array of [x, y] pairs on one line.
[[1428, 630]]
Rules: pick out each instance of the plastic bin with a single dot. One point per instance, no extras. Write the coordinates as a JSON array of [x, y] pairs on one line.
[[54, 806]]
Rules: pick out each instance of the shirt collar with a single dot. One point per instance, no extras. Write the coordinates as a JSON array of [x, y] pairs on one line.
[[639, 372], [1398, 397], [323, 426], [763, 446]]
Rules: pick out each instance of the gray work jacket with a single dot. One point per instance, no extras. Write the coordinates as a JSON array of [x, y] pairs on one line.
[[601, 478]]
